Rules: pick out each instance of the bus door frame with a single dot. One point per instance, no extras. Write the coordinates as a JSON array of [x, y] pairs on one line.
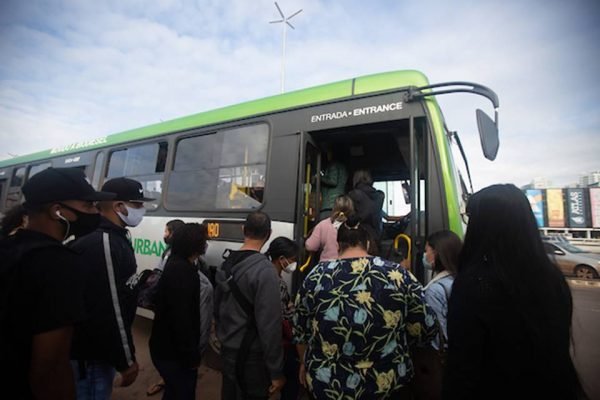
[[303, 198], [417, 237]]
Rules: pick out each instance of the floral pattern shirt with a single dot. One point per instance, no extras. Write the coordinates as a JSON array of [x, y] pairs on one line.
[[359, 317]]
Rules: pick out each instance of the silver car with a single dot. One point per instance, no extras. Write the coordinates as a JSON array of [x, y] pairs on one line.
[[572, 260]]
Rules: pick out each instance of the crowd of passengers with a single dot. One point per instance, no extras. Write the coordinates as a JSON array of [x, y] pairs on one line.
[[492, 323]]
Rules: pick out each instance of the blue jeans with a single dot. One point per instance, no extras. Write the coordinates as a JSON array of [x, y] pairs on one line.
[[93, 381], [180, 382]]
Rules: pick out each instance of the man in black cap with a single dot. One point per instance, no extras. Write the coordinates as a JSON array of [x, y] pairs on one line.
[[103, 342], [41, 288]]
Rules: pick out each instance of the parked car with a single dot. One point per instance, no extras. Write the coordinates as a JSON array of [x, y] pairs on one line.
[[574, 261]]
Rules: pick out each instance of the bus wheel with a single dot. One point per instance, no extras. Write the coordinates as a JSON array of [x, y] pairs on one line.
[[585, 272]]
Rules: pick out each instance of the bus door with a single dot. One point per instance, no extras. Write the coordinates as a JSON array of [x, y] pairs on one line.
[[309, 191]]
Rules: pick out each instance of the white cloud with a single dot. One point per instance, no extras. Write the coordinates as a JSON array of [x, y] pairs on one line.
[[77, 70]]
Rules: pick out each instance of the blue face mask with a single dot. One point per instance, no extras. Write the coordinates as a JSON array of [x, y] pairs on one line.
[[426, 262]]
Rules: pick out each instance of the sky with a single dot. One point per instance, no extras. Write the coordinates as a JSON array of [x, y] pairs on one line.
[[77, 70]]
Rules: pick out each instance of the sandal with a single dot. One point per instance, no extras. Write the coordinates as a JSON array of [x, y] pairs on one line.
[[156, 388]]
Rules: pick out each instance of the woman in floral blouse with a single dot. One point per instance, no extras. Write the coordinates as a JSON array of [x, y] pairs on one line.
[[355, 320]]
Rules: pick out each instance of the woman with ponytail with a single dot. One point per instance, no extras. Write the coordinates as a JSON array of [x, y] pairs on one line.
[[354, 321], [324, 236]]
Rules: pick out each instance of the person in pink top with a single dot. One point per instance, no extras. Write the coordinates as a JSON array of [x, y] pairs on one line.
[[324, 236]]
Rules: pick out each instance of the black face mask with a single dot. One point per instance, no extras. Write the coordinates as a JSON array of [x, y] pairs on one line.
[[169, 239], [85, 223]]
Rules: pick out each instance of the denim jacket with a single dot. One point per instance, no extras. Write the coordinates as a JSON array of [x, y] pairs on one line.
[[437, 295]]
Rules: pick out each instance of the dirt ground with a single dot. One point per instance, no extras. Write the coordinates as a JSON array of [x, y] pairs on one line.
[[209, 379]]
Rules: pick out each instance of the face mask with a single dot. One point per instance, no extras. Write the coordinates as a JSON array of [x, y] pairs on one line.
[[85, 223], [168, 239], [426, 262], [134, 216], [290, 267]]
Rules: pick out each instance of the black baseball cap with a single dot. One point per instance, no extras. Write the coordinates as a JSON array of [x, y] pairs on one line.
[[58, 184], [126, 190]]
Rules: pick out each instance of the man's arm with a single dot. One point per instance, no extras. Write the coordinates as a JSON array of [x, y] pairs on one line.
[[301, 350], [267, 312], [313, 243], [122, 267], [331, 176], [50, 375], [206, 310]]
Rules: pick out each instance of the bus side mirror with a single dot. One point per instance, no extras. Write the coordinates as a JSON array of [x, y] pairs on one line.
[[488, 133]]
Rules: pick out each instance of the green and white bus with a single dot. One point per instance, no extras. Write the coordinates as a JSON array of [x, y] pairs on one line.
[[217, 166]]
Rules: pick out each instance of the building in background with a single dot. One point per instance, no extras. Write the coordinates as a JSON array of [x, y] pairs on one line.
[[592, 179], [538, 183]]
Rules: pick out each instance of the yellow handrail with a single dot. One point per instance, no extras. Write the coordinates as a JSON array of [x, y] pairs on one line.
[[306, 264], [408, 241]]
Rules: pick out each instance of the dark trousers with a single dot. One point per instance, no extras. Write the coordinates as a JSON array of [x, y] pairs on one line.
[[180, 382], [257, 379], [291, 369]]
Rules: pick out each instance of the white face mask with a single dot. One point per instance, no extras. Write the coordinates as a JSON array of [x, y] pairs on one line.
[[134, 216], [291, 267], [426, 262]]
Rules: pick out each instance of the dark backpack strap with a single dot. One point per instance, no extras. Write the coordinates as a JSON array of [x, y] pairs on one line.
[[251, 329]]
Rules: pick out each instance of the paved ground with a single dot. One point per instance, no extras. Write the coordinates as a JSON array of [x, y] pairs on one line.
[[586, 330], [209, 380]]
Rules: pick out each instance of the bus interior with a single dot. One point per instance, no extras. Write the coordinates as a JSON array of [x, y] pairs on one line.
[[384, 149]]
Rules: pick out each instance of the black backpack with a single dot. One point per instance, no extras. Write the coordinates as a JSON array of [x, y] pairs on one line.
[[147, 285]]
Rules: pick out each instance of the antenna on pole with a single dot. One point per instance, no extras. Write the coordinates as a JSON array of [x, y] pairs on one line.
[[284, 22]]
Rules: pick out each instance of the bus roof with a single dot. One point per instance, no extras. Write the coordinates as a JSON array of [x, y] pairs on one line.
[[317, 94]]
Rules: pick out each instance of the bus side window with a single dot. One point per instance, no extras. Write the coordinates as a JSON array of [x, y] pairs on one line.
[[192, 182], [222, 170], [18, 178], [35, 169], [14, 190], [243, 165], [99, 164], [144, 163]]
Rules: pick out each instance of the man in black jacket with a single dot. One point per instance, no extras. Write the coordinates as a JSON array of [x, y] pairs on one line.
[[368, 203], [103, 343]]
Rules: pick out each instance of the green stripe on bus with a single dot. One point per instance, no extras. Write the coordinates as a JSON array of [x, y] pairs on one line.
[[450, 185], [333, 91]]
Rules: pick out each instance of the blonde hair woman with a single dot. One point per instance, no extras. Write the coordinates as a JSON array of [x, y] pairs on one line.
[[324, 236]]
